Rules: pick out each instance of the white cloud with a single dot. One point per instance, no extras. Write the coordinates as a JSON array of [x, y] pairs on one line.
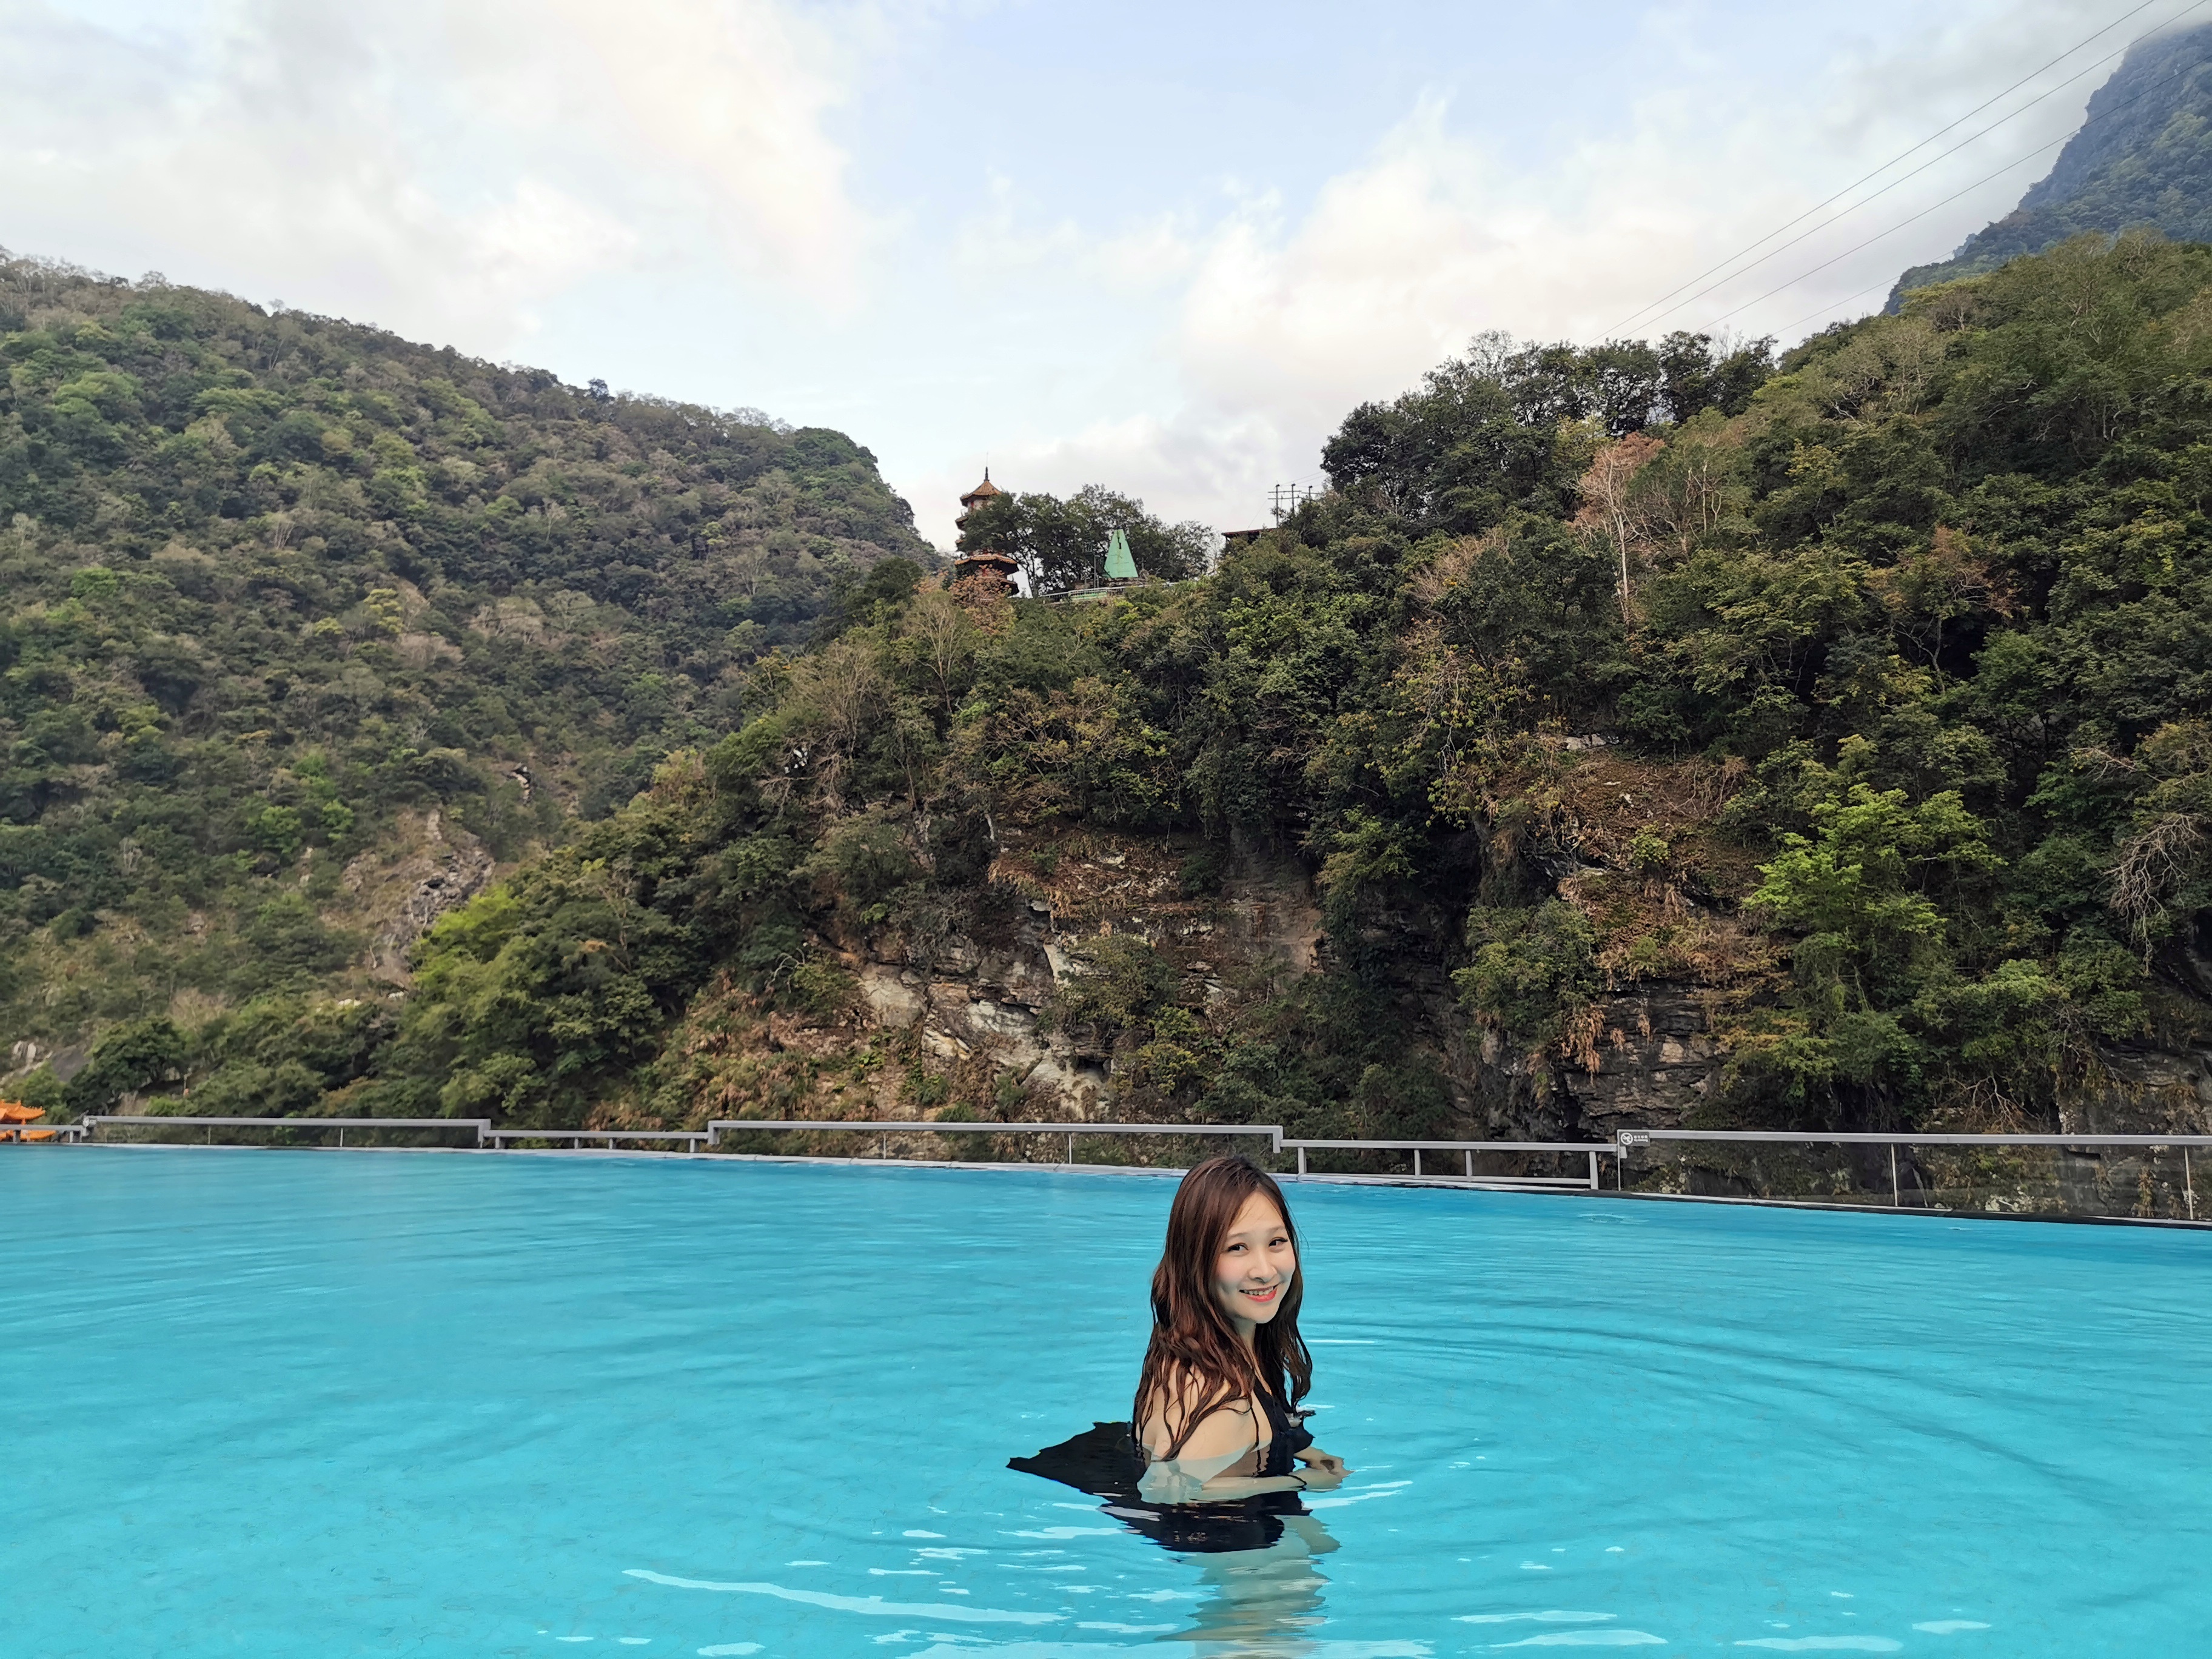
[[536, 242], [439, 166], [993, 237], [1150, 255], [729, 98], [1382, 274]]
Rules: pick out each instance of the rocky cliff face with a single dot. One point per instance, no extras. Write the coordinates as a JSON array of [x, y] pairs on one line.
[[401, 889], [1656, 1062], [2142, 1090], [967, 1003], [1656, 1065], [1656, 1057]]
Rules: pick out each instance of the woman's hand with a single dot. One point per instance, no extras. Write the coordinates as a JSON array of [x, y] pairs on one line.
[[1318, 1461]]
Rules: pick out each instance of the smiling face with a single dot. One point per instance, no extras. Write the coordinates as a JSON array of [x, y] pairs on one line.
[[1257, 1260]]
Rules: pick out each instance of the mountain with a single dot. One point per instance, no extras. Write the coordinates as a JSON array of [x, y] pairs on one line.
[[1631, 737], [307, 632], [1644, 736], [2142, 157]]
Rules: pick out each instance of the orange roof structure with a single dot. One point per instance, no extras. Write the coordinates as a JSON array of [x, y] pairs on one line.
[[13, 1111]]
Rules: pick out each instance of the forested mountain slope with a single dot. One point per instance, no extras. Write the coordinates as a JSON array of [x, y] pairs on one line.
[[1630, 736], [302, 627], [2143, 158]]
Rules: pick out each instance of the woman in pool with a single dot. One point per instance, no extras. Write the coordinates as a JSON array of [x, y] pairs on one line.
[[1213, 1418]]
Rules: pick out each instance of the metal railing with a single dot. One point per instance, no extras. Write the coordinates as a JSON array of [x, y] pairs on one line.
[[722, 1125], [2102, 1175], [2009, 1189], [1592, 1150], [717, 1133], [694, 1138], [1278, 1142], [480, 1126]]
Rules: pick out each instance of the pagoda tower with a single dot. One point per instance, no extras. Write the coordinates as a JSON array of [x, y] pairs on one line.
[[981, 562]]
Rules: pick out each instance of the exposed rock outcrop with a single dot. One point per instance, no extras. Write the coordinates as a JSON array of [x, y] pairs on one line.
[[971, 1004], [1657, 1061], [2144, 1091], [444, 869]]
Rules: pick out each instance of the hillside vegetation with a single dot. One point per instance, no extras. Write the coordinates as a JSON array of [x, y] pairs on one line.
[[1862, 697], [285, 597]]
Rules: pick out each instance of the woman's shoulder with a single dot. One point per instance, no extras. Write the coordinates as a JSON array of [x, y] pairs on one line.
[[1226, 1429], [1179, 1389]]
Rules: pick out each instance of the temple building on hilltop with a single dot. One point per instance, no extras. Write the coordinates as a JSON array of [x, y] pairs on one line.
[[1120, 564], [981, 562], [996, 569]]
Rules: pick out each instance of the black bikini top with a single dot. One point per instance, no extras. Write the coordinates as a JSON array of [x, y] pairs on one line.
[[1289, 1434]]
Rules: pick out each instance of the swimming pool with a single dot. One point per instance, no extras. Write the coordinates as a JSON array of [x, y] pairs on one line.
[[291, 1404]]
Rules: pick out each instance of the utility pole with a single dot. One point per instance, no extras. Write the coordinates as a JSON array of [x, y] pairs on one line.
[[1286, 499]]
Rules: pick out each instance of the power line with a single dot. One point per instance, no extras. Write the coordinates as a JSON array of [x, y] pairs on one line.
[[1879, 234], [2115, 110], [1939, 156], [1902, 155], [1833, 304]]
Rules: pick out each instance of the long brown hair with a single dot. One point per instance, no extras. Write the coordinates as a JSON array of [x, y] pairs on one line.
[[1193, 1342]]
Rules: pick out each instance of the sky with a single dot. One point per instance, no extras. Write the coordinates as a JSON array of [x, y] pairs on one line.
[[1162, 248]]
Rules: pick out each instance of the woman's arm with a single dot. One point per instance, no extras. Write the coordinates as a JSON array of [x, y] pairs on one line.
[[1188, 1480], [1178, 1482], [1322, 1462], [1221, 1439]]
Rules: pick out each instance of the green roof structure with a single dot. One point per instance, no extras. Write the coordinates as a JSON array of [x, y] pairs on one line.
[[1120, 566]]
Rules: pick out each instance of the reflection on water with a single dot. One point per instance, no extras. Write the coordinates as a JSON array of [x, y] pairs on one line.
[[1263, 1601], [1255, 1556]]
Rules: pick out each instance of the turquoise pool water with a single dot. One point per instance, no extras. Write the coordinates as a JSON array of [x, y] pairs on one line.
[[300, 1404]]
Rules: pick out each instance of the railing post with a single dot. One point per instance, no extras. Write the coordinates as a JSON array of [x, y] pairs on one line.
[[2189, 1183], [1592, 1156], [1470, 1164], [1417, 1164], [1301, 1160], [1896, 1195], [1071, 1149]]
